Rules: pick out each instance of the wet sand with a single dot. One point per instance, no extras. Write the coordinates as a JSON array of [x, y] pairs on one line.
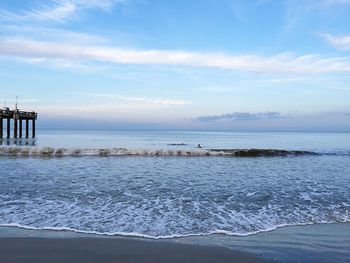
[[319, 243], [95, 249]]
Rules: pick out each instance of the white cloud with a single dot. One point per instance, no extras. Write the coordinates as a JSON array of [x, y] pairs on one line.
[[138, 99], [340, 42], [280, 63], [58, 10]]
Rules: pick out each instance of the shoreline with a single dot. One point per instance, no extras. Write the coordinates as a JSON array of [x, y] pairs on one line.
[[81, 233]]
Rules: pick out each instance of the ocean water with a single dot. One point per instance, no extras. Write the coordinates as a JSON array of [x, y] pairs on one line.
[[139, 139], [109, 182]]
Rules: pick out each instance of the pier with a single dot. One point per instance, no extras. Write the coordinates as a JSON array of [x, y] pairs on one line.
[[18, 118]]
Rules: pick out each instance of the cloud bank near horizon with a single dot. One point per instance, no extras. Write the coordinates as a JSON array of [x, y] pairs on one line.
[[242, 116], [247, 122]]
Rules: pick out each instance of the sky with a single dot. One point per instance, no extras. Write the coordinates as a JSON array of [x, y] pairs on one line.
[[258, 65]]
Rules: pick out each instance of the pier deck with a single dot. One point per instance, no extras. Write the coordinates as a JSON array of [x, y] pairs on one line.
[[18, 117]]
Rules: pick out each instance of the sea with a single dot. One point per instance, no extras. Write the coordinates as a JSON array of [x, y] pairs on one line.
[[175, 184]]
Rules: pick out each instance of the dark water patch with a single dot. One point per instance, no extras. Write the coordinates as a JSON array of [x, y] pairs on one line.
[[262, 152]]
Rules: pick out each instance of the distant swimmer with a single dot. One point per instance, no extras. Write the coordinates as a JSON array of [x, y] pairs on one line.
[[199, 146]]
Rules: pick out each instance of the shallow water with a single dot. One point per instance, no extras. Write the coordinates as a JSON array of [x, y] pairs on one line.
[[170, 196], [317, 243]]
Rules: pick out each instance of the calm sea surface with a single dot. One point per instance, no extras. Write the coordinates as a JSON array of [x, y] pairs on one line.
[[169, 196], [325, 142]]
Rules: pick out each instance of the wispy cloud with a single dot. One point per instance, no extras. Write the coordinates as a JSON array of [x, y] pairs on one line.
[[19, 100], [238, 9], [158, 101], [52, 34], [296, 11], [328, 3], [57, 10], [22, 102], [65, 64], [339, 42], [241, 116], [280, 63]]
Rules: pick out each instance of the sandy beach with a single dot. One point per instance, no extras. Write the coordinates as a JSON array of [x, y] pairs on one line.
[[89, 249], [321, 243]]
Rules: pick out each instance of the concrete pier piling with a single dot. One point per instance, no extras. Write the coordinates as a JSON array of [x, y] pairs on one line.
[[8, 128], [18, 117], [1, 127], [27, 128], [20, 128]]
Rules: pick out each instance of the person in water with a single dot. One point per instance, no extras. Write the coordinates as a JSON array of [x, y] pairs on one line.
[[199, 146]]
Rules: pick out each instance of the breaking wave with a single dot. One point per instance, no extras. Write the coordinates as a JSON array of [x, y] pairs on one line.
[[141, 235], [49, 151], [170, 197]]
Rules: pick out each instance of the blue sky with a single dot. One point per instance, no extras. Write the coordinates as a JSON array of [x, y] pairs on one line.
[[210, 64]]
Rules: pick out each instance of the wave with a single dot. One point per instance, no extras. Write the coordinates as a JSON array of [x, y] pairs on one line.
[[49, 151], [140, 235]]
